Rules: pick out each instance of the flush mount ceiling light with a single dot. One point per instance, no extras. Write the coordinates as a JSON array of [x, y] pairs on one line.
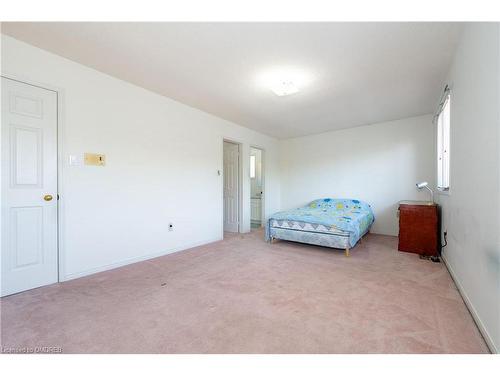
[[284, 88], [284, 81]]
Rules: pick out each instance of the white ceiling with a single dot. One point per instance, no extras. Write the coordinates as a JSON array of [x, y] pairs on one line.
[[359, 73]]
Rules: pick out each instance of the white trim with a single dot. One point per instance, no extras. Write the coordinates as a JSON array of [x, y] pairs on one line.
[[60, 146], [443, 192], [141, 258], [487, 338]]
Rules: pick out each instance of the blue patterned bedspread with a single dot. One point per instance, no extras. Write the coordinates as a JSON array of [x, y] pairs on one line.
[[348, 215]]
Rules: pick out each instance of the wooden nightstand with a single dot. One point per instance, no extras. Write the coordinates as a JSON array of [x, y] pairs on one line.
[[419, 227]]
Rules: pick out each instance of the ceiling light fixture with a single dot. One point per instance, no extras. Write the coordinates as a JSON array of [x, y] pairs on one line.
[[284, 88], [284, 81]]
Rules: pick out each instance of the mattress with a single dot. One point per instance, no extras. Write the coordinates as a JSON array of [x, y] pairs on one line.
[[307, 227]]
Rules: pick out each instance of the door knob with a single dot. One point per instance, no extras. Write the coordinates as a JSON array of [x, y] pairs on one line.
[[47, 197]]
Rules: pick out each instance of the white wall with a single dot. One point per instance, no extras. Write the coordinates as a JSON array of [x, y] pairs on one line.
[[379, 164], [162, 162], [471, 210]]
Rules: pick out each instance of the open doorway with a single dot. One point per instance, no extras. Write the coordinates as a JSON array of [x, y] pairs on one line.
[[256, 188], [231, 186]]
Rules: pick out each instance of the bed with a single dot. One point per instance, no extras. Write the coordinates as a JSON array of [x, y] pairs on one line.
[[335, 223]]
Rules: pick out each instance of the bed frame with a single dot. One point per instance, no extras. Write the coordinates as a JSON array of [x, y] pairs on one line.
[[314, 238]]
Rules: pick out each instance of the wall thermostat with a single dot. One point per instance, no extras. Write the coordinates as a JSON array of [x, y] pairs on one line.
[[95, 159]]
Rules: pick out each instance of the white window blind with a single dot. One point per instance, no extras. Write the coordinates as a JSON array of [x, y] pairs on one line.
[[443, 146]]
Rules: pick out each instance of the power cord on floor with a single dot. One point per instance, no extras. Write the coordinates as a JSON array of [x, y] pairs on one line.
[[433, 258], [445, 235], [436, 259]]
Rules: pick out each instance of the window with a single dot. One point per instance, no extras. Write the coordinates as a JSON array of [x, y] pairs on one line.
[[443, 145], [252, 166]]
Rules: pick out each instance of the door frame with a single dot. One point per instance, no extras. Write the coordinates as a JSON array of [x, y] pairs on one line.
[[60, 94], [263, 196], [240, 183]]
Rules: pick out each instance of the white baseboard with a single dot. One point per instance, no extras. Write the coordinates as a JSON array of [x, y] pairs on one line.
[[135, 260], [472, 310]]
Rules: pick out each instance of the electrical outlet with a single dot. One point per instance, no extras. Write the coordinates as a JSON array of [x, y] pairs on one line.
[[170, 227]]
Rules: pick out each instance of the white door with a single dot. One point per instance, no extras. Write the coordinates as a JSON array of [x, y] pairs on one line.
[[29, 187], [231, 187]]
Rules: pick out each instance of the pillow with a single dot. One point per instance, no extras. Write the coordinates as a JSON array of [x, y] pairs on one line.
[[340, 204]]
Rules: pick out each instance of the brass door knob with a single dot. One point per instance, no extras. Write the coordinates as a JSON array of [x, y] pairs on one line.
[[47, 197]]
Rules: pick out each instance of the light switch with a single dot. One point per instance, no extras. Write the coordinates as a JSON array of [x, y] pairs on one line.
[[75, 160], [95, 159]]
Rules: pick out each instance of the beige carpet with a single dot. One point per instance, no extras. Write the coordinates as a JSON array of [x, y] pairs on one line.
[[242, 295]]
